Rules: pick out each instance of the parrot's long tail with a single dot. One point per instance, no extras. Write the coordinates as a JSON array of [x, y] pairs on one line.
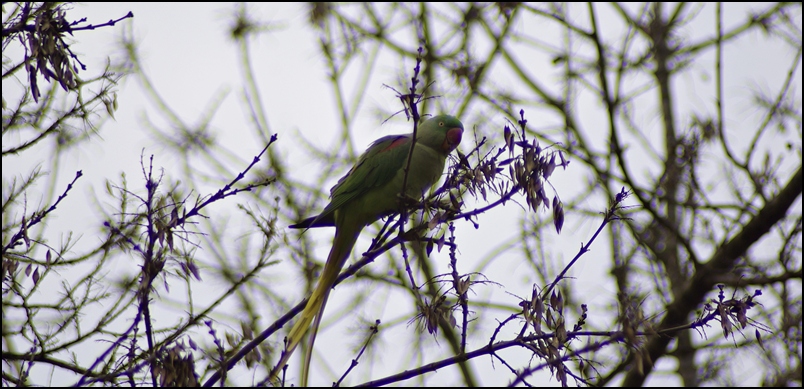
[[342, 244]]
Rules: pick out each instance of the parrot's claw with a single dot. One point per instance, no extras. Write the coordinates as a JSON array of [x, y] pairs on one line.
[[407, 201]]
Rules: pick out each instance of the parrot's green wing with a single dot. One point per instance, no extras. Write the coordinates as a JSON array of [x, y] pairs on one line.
[[378, 165]]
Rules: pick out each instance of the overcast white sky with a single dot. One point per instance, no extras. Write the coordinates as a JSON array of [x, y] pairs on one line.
[[188, 55]]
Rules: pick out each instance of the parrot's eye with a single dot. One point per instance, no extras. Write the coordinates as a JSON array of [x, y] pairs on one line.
[[441, 124]]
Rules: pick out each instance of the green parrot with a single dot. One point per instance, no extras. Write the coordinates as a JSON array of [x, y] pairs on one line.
[[369, 191]]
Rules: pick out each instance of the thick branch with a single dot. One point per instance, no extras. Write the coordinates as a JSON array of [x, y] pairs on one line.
[[707, 275]]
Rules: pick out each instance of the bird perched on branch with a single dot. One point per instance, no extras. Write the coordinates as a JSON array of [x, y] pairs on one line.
[[370, 190]]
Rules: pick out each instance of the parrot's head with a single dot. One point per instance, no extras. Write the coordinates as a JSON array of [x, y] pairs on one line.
[[442, 132]]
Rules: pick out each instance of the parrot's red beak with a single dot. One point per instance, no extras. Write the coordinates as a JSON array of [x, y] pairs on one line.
[[453, 139]]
